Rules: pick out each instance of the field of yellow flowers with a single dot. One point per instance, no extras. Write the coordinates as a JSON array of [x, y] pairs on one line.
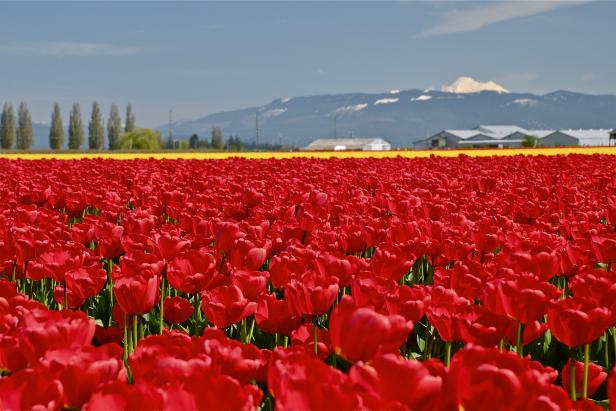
[[308, 154]]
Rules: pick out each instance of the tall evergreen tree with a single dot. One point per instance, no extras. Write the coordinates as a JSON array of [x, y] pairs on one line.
[[96, 131], [218, 140], [114, 128], [25, 135], [56, 132], [75, 128], [193, 141], [130, 119], [7, 127]]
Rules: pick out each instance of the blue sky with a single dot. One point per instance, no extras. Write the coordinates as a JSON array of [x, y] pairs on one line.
[[198, 58]]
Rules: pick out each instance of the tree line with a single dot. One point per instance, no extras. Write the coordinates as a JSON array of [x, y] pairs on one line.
[[19, 134]]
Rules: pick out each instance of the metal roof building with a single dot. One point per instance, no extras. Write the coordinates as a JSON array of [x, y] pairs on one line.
[[514, 136], [342, 144]]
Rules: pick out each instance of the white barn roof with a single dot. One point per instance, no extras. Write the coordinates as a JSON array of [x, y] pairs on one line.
[[590, 137], [326, 144]]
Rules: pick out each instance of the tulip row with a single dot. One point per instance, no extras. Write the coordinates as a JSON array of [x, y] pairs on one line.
[[474, 283]]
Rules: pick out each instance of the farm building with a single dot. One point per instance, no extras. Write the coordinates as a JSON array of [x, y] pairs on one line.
[[513, 136], [342, 144]]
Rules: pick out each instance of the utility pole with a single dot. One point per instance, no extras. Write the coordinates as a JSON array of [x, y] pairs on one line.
[[257, 128], [335, 127], [170, 144]]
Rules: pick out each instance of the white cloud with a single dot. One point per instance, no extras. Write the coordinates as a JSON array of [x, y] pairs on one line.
[[474, 18], [69, 49]]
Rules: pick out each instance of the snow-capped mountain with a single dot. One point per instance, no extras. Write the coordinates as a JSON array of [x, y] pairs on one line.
[[466, 84], [404, 116]]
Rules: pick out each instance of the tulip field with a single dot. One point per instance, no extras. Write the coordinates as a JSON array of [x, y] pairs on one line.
[[436, 283]]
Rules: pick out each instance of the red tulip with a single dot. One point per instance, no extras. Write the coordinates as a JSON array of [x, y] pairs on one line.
[[311, 295], [177, 310], [252, 283], [226, 305], [596, 377], [83, 371], [119, 395], [358, 333], [30, 390], [137, 294], [192, 271], [299, 381], [391, 382], [166, 246], [108, 239], [304, 337], [523, 298], [273, 316], [576, 322]]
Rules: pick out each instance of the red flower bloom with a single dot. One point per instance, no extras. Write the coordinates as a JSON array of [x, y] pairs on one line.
[[576, 322], [82, 371], [358, 333], [311, 295], [596, 377], [192, 271], [136, 294], [389, 381], [304, 337], [226, 305], [30, 390], [273, 316], [177, 310]]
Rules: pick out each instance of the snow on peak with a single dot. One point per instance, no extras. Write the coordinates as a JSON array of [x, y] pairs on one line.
[[273, 113], [423, 97], [526, 102], [386, 101], [351, 109], [470, 85], [394, 91], [285, 99]]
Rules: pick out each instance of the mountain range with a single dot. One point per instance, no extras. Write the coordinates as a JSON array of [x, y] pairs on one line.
[[401, 117]]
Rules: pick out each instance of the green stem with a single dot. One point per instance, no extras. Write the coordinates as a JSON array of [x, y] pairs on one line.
[[161, 323], [315, 337], [518, 347], [125, 357], [447, 353], [65, 296], [586, 363], [572, 381], [606, 352], [135, 334], [252, 329], [141, 329]]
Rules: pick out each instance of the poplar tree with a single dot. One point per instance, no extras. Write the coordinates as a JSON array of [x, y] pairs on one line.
[[130, 119], [114, 128], [56, 132], [96, 131], [75, 128], [25, 135], [218, 139], [7, 127]]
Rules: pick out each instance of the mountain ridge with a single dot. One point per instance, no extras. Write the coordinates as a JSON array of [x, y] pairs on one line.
[[404, 116]]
